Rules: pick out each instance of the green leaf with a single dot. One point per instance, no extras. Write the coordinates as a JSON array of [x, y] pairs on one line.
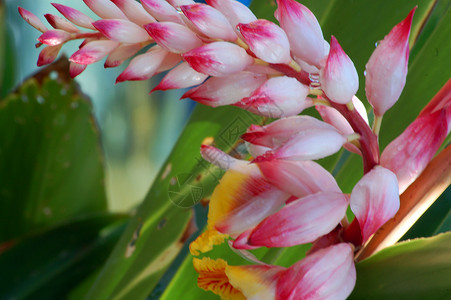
[[50, 159], [46, 264], [417, 269]]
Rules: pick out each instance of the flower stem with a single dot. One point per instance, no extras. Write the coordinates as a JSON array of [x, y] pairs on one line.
[[377, 124]]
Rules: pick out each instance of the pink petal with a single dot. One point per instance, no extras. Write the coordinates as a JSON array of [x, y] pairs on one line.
[[441, 100], [120, 54], [105, 9], [280, 131], [75, 16], [31, 19], [326, 274], [339, 79], [170, 61], [60, 23], [375, 200], [48, 55], [278, 97], [256, 150], [311, 144], [182, 76], [209, 21], [303, 31], [258, 201], [173, 37], [409, 154], [162, 11], [134, 11], [221, 159], [301, 221], [298, 178], [177, 3], [143, 66], [386, 69], [234, 11], [122, 31], [267, 41], [219, 91], [76, 69], [93, 52], [54, 37], [218, 59]]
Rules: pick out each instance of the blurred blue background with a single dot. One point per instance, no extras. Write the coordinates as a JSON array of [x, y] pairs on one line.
[[138, 130]]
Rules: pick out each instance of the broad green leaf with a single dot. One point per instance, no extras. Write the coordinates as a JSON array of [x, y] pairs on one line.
[[417, 269], [139, 260], [51, 165], [46, 264]]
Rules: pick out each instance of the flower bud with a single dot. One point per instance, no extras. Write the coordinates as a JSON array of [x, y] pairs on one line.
[[339, 79], [386, 69]]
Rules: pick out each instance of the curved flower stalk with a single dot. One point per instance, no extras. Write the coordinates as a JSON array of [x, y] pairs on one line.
[[280, 197]]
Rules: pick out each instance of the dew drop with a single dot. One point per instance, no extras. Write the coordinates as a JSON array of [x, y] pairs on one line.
[[377, 43], [314, 84], [364, 73], [179, 10], [40, 99]]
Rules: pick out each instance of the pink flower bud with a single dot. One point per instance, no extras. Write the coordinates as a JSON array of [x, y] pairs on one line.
[[173, 37], [122, 31], [48, 55], [298, 137], [331, 116], [144, 66], [218, 59], [60, 23], [31, 19], [76, 69], [339, 79], [277, 97], [219, 91], [93, 52], [409, 154], [105, 9], [221, 159], [298, 178], [375, 200], [301, 221], [121, 53], [303, 31], [235, 11], [54, 37], [386, 69], [267, 41], [134, 11], [311, 144], [182, 76], [328, 273], [75, 16], [209, 21], [162, 11]]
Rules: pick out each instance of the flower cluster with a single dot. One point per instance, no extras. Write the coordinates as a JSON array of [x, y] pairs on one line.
[[281, 198]]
